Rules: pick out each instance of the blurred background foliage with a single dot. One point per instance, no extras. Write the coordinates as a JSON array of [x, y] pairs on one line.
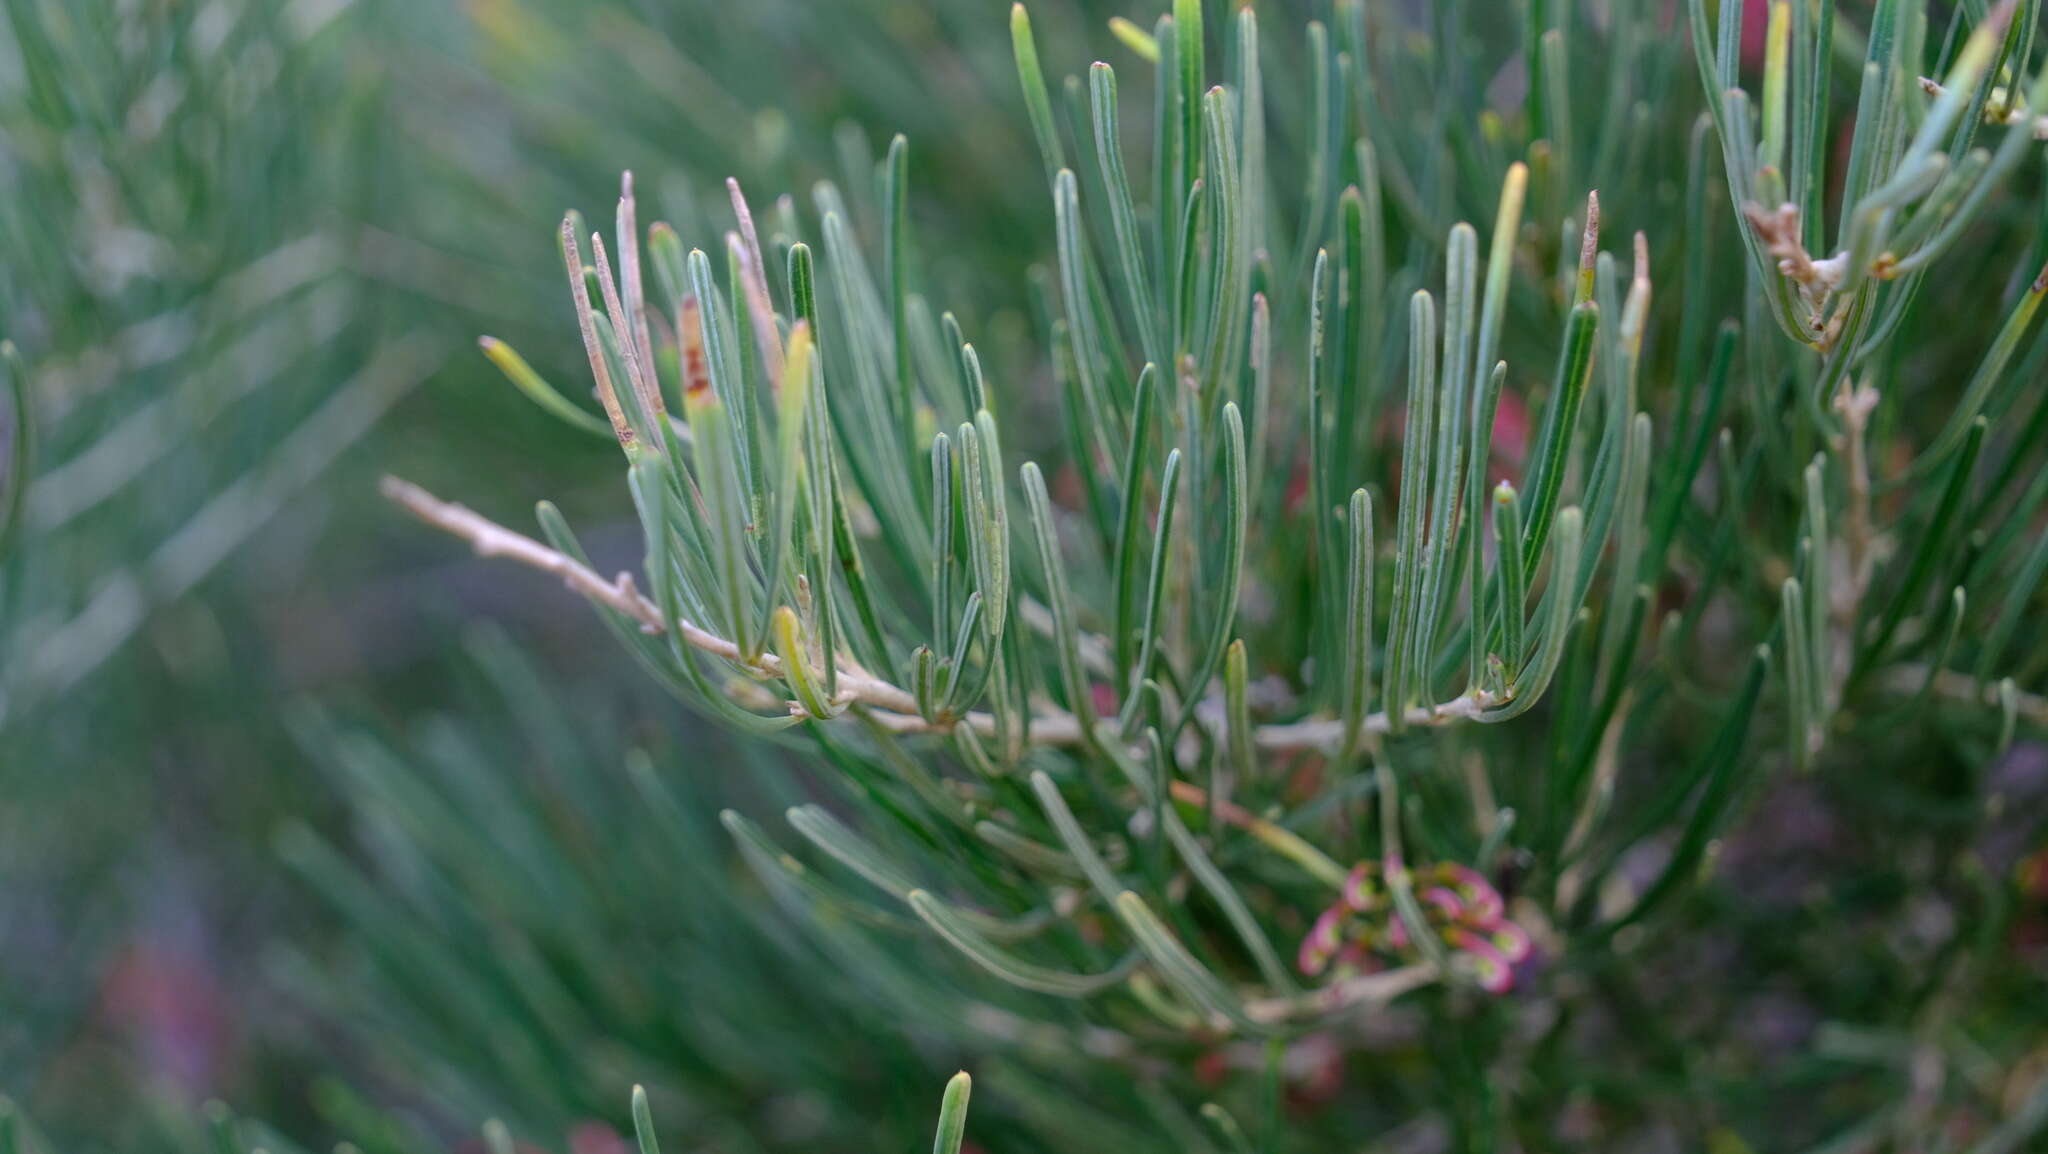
[[249, 245], [281, 824]]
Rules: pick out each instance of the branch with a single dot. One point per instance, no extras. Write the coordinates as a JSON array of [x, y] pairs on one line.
[[891, 706], [1320, 732]]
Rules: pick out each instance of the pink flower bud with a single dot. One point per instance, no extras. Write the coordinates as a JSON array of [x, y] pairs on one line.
[[1510, 939], [1358, 891], [1495, 974], [1473, 887], [1445, 901]]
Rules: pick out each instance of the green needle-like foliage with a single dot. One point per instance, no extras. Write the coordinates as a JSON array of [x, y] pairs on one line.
[[214, 1129], [1247, 474]]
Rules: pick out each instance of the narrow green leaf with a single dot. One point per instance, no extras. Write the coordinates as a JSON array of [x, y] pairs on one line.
[[1037, 104], [988, 519], [1527, 686], [726, 506], [1394, 857], [1169, 165], [1075, 838], [1513, 578], [1630, 500], [1419, 423], [1123, 217], [1147, 628], [896, 243], [1153, 789], [643, 1122], [1227, 1128], [1188, 60], [828, 833], [798, 885], [2008, 714], [1957, 607], [1123, 578], [1557, 100], [2018, 600], [1228, 301], [793, 408], [1251, 96], [537, 390], [1719, 765], [1553, 444], [1800, 692], [1447, 463], [1920, 569], [946, 500], [1088, 360], [1005, 965], [1486, 398], [953, 1115], [17, 445], [1139, 41], [1966, 408], [1237, 710], [796, 666], [1818, 646], [1357, 645], [1032, 855], [1236, 515], [1065, 628], [1777, 71], [1180, 968]]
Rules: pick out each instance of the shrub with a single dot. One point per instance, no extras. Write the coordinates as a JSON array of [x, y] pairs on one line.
[[1385, 640]]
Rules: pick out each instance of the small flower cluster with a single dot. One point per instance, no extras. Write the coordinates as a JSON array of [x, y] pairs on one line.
[[1362, 930]]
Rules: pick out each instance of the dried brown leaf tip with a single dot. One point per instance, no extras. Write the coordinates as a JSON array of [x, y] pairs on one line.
[[586, 320], [1635, 309], [743, 214], [1589, 249], [696, 373]]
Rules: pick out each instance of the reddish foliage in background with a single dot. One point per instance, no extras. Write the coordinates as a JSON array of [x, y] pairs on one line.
[[170, 1004]]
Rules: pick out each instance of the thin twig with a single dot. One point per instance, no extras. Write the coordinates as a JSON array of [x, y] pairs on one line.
[[491, 539]]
